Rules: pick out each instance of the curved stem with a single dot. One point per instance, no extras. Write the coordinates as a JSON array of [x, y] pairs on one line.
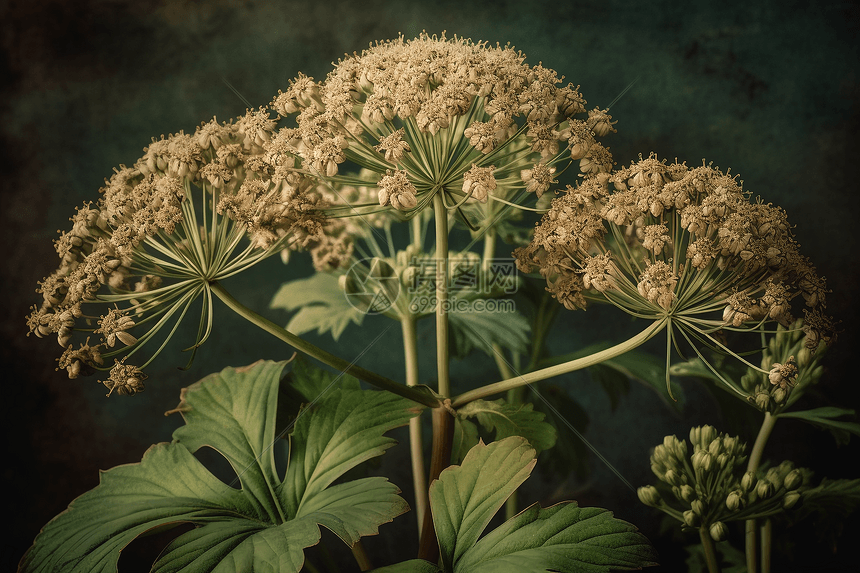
[[710, 550], [325, 357], [559, 369], [419, 477], [754, 461]]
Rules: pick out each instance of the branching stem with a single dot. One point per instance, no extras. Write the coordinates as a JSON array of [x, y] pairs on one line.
[[323, 356]]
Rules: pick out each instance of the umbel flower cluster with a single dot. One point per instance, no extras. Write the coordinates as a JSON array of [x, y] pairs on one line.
[[709, 487], [686, 244], [432, 115], [167, 227]]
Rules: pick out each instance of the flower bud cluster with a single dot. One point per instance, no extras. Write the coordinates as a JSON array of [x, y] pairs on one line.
[[791, 368], [709, 488]]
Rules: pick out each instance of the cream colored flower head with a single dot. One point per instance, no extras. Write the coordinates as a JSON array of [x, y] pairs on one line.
[[430, 115], [133, 262], [664, 240]]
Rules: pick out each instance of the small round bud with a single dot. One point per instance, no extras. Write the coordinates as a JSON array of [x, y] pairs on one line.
[[699, 507], [691, 519], [793, 480], [719, 531], [764, 489], [762, 400], [649, 495], [791, 499], [779, 395], [748, 482], [735, 501], [688, 494]]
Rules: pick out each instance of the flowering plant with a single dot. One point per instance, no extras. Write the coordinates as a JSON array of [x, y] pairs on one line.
[[353, 169]]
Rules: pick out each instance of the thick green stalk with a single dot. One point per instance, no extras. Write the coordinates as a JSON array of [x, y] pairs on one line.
[[441, 216], [443, 422], [325, 357], [573, 365], [710, 550], [754, 461], [419, 477]]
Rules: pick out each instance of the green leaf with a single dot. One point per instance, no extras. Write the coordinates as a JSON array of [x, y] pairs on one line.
[[824, 418], [411, 566], [831, 502], [465, 438], [564, 538], [465, 498], [323, 306], [480, 330], [512, 420], [265, 525]]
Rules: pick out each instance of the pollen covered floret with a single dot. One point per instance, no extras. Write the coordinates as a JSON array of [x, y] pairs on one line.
[[683, 241]]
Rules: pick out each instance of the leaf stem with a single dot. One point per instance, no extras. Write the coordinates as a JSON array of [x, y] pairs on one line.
[[754, 461], [544, 373], [323, 356], [419, 477]]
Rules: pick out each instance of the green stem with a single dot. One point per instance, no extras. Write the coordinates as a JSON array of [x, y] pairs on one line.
[[710, 550], [443, 422], [325, 357], [753, 464], [419, 477], [559, 369], [361, 556], [441, 216], [766, 537]]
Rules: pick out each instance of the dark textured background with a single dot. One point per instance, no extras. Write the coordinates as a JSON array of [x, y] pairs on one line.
[[769, 89]]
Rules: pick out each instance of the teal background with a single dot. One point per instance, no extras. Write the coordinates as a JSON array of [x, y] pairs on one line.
[[769, 89]]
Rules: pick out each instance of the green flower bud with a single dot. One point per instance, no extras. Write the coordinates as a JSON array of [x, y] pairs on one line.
[[702, 461], [750, 380], [649, 495], [719, 531], [779, 395], [762, 400], [673, 478], [793, 480], [699, 507], [691, 519], [688, 494], [675, 447], [702, 436], [748, 482], [791, 499], [804, 355], [816, 374], [715, 447], [764, 489], [722, 460], [735, 501]]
